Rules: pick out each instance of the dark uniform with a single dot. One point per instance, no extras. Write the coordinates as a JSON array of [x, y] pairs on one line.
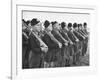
[[25, 48], [79, 45], [73, 47], [67, 48], [60, 54], [35, 55], [52, 48], [85, 42]]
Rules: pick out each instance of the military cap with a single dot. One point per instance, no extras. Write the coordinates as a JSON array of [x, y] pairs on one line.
[[63, 24], [84, 23], [46, 23], [54, 22], [69, 24], [75, 25], [34, 21], [28, 21]]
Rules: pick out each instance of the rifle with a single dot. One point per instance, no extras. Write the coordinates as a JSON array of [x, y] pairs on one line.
[[41, 43]]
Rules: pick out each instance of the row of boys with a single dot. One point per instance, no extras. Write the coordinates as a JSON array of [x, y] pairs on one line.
[[57, 45]]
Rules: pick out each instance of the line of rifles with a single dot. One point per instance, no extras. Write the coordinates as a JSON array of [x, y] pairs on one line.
[[53, 44]]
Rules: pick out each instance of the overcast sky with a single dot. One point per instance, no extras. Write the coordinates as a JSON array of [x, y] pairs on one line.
[[42, 16]]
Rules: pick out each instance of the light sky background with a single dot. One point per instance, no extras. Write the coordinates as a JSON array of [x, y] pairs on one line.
[[42, 16]]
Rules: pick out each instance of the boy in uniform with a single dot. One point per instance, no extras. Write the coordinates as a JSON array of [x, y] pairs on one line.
[[53, 45], [64, 42], [38, 47]]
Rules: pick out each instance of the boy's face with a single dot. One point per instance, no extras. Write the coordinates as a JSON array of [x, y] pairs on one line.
[[50, 27], [66, 28], [29, 25], [37, 27], [72, 28], [41, 27], [76, 28], [85, 26], [80, 27], [69, 28], [23, 26], [56, 26], [60, 26]]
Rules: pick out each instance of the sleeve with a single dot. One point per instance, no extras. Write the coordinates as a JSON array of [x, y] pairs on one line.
[[63, 39], [78, 36], [24, 39], [33, 45], [59, 37], [64, 35], [49, 43], [70, 35]]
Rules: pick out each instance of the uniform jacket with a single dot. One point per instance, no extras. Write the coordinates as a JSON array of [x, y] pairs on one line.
[[71, 36], [58, 36], [34, 44], [78, 36], [49, 42], [24, 38]]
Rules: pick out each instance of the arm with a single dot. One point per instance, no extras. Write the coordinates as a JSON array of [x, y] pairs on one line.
[[36, 48], [68, 39], [84, 33], [49, 43], [63, 39], [76, 39], [81, 34]]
